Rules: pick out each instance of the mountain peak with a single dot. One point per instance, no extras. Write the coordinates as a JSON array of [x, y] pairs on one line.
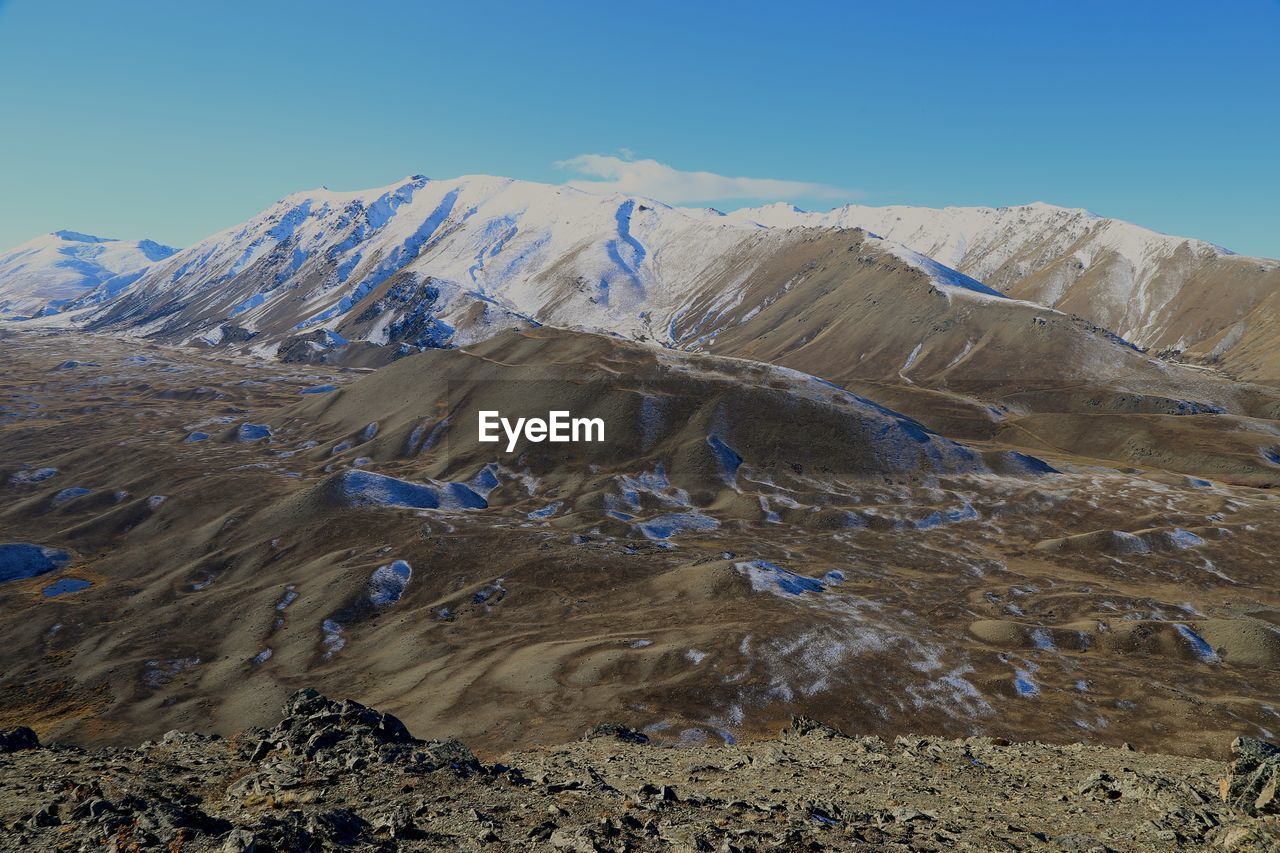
[[45, 274], [781, 206], [80, 237], [155, 251]]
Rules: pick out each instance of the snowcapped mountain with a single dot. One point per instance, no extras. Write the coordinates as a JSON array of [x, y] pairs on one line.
[[42, 275], [1156, 290], [426, 263], [360, 277], [432, 263]]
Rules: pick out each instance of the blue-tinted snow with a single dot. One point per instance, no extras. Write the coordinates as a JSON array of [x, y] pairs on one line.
[[319, 389], [388, 583], [112, 287], [1041, 639], [1202, 649], [900, 441], [625, 251], [331, 633], [770, 577], [79, 237], [769, 515], [377, 215], [252, 432], [155, 251], [67, 494], [296, 260], [365, 488], [1184, 538], [497, 233], [345, 268], [951, 277], [727, 459], [290, 221], [432, 437], [290, 595], [547, 511], [485, 480], [252, 302], [39, 475], [65, 585], [1023, 683], [965, 512], [1271, 454], [531, 250], [668, 525], [21, 560], [652, 483], [933, 519], [1029, 464], [1188, 407], [194, 437], [370, 432], [491, 594]]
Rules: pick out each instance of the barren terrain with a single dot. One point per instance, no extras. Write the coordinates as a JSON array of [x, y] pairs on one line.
[[751, 544]]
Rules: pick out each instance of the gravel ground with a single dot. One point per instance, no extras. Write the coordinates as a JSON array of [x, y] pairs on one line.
[[340, 775]]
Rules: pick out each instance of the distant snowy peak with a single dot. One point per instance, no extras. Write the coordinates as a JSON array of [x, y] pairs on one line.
[[44, 274], [977, 240], [424, 262], [78, 237], [1148, 287], [366, 262]]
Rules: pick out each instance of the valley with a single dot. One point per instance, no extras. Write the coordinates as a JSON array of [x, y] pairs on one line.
[[749, 544]]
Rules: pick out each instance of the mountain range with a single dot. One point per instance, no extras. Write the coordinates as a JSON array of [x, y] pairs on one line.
[[426, 263], [947, 315], [1161, 292]]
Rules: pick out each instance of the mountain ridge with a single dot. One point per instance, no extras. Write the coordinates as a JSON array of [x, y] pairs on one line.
[[1161, 291], [488, 252]]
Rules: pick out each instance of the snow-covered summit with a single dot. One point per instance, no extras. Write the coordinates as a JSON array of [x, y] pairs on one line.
[[43, 274], [426, 262], [484, 243], [1126, 277], [483, 250], [980, 240]]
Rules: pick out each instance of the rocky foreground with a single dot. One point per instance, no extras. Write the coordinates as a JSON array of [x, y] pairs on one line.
[[340, 775]]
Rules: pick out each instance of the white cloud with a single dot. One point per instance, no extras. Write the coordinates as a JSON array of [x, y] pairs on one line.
[[605, 173]]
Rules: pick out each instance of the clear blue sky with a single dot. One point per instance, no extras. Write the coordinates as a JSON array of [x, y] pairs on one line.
[[175, 120]]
